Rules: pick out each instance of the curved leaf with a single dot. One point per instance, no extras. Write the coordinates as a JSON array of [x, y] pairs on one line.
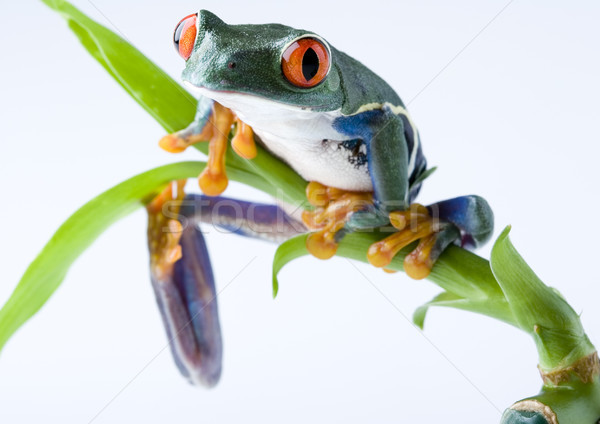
[[421, 312], [286, 252], [466, 277], [538, 309], [161, 96], [495, 307], [47, 271]]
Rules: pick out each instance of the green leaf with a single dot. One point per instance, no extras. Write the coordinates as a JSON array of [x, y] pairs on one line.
[[162, 97], [287, 252], [288, 186], [48, 270], [538, 309], [466, 278], [457, 270], [421, 312], [423, 176], [496, 307]]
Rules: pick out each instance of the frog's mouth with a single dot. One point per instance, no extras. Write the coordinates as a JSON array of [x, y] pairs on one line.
[[239, 102]]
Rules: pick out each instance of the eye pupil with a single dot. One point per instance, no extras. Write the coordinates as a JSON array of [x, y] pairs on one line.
[[310, 64]]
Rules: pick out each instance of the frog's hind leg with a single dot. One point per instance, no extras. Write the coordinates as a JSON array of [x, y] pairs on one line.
[[250, 219], [181, 271], [471, 214], [328, 221], [466, 220]]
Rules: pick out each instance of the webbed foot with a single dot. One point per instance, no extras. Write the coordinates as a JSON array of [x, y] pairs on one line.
[[413, 224], [466, 220], [333, 209]]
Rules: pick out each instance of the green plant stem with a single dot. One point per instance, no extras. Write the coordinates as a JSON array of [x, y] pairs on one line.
[[570, 403]]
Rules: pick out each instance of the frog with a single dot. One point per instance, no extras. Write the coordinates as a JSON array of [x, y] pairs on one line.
[[336, 123]]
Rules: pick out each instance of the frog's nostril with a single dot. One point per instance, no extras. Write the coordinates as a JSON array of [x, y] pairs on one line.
[[231, 65]]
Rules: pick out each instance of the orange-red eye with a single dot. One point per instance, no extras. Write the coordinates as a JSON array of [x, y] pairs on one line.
[[184, 36], [305, 62]]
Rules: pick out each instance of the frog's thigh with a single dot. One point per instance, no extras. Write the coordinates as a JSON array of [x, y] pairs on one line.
[[387, 154], [249, 219]]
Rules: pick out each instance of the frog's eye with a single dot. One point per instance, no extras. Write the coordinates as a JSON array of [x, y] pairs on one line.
[[305, 62], [184, 36]]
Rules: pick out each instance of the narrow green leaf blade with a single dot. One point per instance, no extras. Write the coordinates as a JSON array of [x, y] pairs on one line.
[[423, 176], [171, 105], [457, 270], [495, 307], [421, 312], [287, 184], [48, 270], [286, 252], [467, 278]]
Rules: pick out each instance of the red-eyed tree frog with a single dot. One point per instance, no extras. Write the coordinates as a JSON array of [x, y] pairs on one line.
[[331, 119]]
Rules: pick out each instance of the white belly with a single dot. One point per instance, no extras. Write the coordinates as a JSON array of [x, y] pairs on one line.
[[316, 160], [304, 139]]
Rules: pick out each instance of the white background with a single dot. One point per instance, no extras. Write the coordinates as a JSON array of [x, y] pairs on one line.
[[513, 117]]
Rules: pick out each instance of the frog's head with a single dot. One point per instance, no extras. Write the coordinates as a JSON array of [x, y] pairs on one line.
[[274, 62]]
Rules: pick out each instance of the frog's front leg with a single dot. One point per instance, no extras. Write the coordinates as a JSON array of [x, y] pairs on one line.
[[340, 212], [197, 131], [213, 123]]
